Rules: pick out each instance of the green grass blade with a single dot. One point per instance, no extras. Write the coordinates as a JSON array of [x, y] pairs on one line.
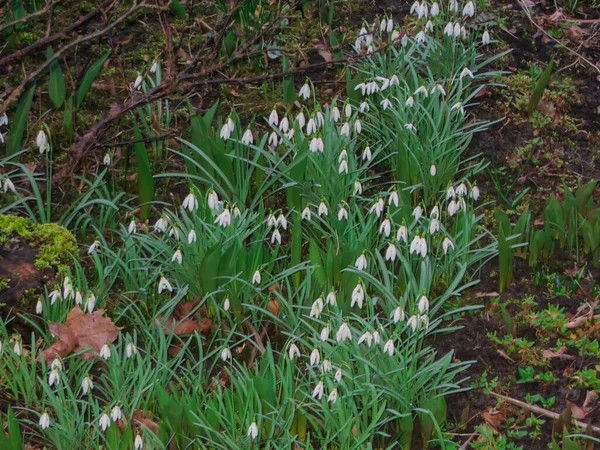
[[541, 84], [57, 89], [89, 77], [19, 122]]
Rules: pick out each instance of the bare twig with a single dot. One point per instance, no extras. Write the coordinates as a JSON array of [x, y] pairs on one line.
[[28, 17], [541, 411]]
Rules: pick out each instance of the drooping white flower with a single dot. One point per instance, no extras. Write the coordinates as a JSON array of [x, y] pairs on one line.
[[447, 244], [138, 443], [311, 127], [343, 333], [411, 127], [391, 253], [325, 332], [364, 107], [410, 101], [466, 73], [90, 302], [358, 296], [415, 245], [191, 236], [225, 132], [420, 38], [236, 212], [18, 348], [273, 118], [138, 82], [434, 226], [8, 185], [389, 347], [357, 188], [413, 323], [132, 227], [177, 256], [338, 373], [385, 104], [282, 221], [248, 137], [87, 385], [417, 212], [367, 338], [164, 285], [273, 139], [330, 299], [226, 354], [226, 304], [343, 167], [448, 29], [320, 119], [293, 351], [39, 307], [423, 304], [3, 119], [393, 198], [348, 109], [253, 431], [130, 350], [367, 154], [461, 189], [224, 219], [54, 295], [317, 308], [335, 114], [105, 351], [423, 247], [284, 125], [361, 262], [458, 106], [450, 193], [333, 396], [304, 91], [423, 11], [316, 145], [376, 337], [453, 4], [104, 422], [68, 291], [301, 120], [315, 357], [377, 207], [469, 10], [44, 421], [318, 390], [435, 9], [453, 208], [54, 377], [327, 366], [342, 214], [414, 9], [385, 227], [433, 170], [276, 236], [485, 38], [474, 193], [357, 126], [435, 212], [256, 278], [421, 90], [306, 213], [190, 202], [322, 211], [398, 314], [116, 413], [345, 131], [456, 30]]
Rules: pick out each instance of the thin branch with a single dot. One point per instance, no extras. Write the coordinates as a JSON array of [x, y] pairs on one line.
[[30, 16]]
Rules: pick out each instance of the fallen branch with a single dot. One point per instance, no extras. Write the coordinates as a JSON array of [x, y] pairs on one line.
[[30, 16], [542, 411]]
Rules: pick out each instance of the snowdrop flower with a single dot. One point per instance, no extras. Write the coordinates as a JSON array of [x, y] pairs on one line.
[[293, 351], [164, 285], [335, 114], [138, 82], [282, 221], [306, 213], [190, 202], [330, 299], [385, 227], [39, 307], [271, 221], [56, 364], [224, 219], [247, 138], [411, 127], [226, 304], [435, 9], [435, 212], [423, 304], [448, 29], [327, 366], [377, 207], [256, 278], [225, 132], [393, 198], [383, 26], [320, 119], [367, 154], [446, 245], [389, 347], [322, 209], [398, 314], [434, 226], [311, 127], [395, 35], [317, 308], [390, 25], [304, 92], [421, 90], [415, 7], [433, 170], [154, 66], [87, 385], [348, 110], [376, 337], [301, 120], [316, 145], [338, 374], [394, 80], [132, 227], [458, 106], [391, 253], [358, 296], [343, 155], [453, 208], [18, 347], [226, 354], [42, 141], [343, 167], [428, 26], [130, 350], [423, 10], [106, 160], [325, 332], [68, 291], [161, 225], [438, 88], [466, 73], [54, 295], [105, 351], [343, 334], [453, 5], [361, 262], [402, 234], [413, 323], [191, 236], [357, 188], [318, 390], [415, 245], [417, 212], [450, 193], [90, 303], [273, 118], [332, 398], [284, 125], [364, 106], [456, 30], [345, 130], [420, 37], [385, 104], [273, 138], [44, 421], [104, 422], [410, 101], [138, 443], [315, 357], [367, 338], [116, 414], [461, 189], [474, 193], [485, 39], [236, 212], [342, 214], [177, 256], [54, 377], [3, 119], [253, 431], [469, 10], [372, 88]]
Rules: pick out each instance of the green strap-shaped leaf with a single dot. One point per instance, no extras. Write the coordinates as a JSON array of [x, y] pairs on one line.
[[145, 180], [19, 122], [57, 89], [89, 77]]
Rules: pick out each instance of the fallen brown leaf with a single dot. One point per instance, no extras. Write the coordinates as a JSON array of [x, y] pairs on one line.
[[560, 354], [494, 418]]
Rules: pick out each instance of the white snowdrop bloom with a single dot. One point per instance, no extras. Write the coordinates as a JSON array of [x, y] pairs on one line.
[[343, 155], [438, 88], [385, 83], [9, 186], [367, 338], [320, 119], [256, 278], [338, 373], [90, 303], [335, 114], [385, 104], [282, 221], [420, 38], [423, 247], [253, 431], [447, 244], [469, 10], [190, 202], [327, 366], [413, 323], [225, 132], [18, 348], [301, 120], [343, 333], [423, 304], [363, 89], [230, 124], [273, 139], [410, 101], [383, 26], [164, 285], [421, 90], [154, 66], [56, 364], [361, 262], [348, 110], [435, 212], [389, 347], [132, 227], [130, 350], [372, 88], [345, 131], [333, 396], [304, 91], [330, 299], [3, 119], [68, 291], [105, 351], [461, 189], [314, 145], [54, 377], [423, 11], [417, 212], [377, 208], [414, 9], [358, 296], [116, 413], [87, 385], [248, 138], [273, 118], [343, 167], [393, 198], [318, 390], [54, 295], [174, 233], [236, 212], [385, 227], [474, 193], [462, 204], [394, 80], [315, 357], [485, 38], [224, 219], [39, 307], [364, 107], [226, 304], [342, 214], [293, 351], [391, 253], [138, 82], [177, 256], [456, 30], [433, 170], [138, 443], [435, 10], [411, 127], [453, 5], [398, 314], [276, 236], [458, 106], [79, 298], [161, 225], [428, 26], [357, 188], [316, 308], [376, 337], [453, 208], [322, 211], [367, 154], [415, 245], [271, 221], [434, 226], [448, 29], [450, 193], [325, 332], [306, 213], [191, 236], [311, 127], [226, 354], [106, 160], [44, 421], [466, 73], [390, 25], [104, 422]]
